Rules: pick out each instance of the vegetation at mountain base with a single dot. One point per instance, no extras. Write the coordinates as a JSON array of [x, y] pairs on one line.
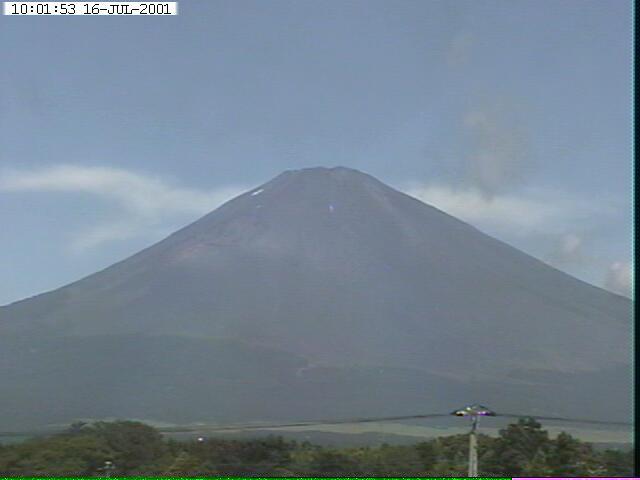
[[136, 449]]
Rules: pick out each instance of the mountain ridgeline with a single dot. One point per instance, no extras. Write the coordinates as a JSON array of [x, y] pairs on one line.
[[322, 293]]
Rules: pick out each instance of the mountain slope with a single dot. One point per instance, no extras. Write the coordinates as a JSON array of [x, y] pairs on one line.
[[341, 274]]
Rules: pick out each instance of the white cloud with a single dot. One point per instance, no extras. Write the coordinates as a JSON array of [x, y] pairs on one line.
[[145, 202], [549, 225], [144, 195], [498, 155], [618, 278], [533, 211], [105, 233], [571, 244], [567, 248]]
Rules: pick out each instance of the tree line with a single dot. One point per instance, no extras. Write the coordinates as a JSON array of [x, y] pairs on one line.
[[127, 448]]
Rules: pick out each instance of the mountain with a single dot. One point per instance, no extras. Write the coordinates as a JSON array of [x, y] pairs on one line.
[[321, 293]]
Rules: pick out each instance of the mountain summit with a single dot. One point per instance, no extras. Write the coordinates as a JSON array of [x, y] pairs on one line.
[[321, 292]]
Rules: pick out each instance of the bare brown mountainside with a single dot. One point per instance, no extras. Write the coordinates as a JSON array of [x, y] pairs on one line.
[[321, 293]]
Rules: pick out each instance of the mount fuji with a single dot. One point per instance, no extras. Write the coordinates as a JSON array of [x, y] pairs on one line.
[[322, 293]]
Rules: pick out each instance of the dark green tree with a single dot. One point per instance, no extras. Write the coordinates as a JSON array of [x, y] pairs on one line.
[[234, 457], [517, 447], [568, 457], [330, 463], [135, 445], [616, 463], [61, 455]]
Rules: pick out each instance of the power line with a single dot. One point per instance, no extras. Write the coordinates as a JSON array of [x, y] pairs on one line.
[[220, 428], [347, 421], [217, 428], [565, 419]]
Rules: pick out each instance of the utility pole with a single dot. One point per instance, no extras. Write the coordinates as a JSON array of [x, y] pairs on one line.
[[108, 467], [473, 448], [475, 412]]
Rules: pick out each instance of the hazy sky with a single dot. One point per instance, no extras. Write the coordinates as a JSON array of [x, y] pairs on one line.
[[514, 116]]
